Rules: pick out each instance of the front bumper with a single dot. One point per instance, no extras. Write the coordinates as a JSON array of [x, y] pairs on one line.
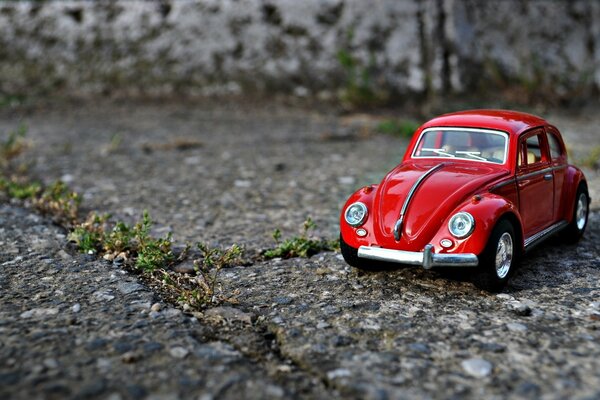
[[427, 258]]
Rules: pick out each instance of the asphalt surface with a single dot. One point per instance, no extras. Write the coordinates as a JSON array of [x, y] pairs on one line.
[[75, 327]]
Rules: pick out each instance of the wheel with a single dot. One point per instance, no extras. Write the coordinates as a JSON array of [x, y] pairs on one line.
[[499, 258], [574, 231], [350, 255]]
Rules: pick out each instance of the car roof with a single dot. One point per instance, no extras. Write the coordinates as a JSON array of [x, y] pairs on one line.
[[513, 122]]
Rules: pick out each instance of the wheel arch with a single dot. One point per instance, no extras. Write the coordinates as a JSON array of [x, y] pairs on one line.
[[573, 179], [512, 218], [488, 211]]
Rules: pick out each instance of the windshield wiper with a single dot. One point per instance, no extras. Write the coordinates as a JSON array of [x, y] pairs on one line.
[[440, 152], [474, 154]]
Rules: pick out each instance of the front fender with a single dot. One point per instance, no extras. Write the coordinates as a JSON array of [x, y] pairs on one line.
[[486, 210], [364, 195]]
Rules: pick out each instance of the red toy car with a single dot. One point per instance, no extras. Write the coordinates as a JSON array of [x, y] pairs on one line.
[[475, 189]]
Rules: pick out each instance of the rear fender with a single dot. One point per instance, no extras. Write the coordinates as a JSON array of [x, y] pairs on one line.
[[573, 178]]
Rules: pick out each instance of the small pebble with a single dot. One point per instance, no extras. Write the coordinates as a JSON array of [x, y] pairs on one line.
[[477, 367], [339, 373], [516, 327], [522, 309], [178, 352], [130, 357], [50, 363]]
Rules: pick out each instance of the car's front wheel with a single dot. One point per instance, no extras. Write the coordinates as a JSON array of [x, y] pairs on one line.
[[499, 259]]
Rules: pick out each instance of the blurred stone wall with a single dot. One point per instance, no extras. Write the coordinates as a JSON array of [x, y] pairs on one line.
[[306, 47]]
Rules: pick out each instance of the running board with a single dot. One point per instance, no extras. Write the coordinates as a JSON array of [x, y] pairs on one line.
[[536, 239]]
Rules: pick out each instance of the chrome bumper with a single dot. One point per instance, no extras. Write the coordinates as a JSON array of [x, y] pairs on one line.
[[427, 258]]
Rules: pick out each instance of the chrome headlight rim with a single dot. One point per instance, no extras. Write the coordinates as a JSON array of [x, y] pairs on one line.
[[469, 218], [362, 220]]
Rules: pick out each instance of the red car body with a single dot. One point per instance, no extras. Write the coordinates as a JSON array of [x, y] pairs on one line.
[[524, 179]]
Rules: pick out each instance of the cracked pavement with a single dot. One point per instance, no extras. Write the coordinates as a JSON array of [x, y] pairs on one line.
[[72, 326]]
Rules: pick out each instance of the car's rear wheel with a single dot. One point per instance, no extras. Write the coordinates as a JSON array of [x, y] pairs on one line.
[[350, 255], [499, 259], [574, 231]]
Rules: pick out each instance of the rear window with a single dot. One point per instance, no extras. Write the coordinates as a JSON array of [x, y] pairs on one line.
[[463, 143]]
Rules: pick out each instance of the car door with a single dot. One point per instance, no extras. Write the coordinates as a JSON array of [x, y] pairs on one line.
[[558, 160], [535, 182]]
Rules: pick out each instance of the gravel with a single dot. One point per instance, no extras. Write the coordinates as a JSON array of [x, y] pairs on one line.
[[72, 326]]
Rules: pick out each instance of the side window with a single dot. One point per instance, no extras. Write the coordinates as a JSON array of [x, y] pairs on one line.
[[534, 149], [555, 148]]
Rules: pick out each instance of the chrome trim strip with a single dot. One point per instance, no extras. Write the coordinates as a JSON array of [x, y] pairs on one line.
[[411, 193], [532, 174], [536, 239], [502, 184], [512, 180], [427, 259], [398, 228], [542, 171]]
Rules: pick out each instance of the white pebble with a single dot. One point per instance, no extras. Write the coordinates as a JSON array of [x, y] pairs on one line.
[[516, 327], [477, 367], [178, 352]]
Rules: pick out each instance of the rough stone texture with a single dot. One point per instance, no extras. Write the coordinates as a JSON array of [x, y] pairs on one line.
[[551, 46], [69, 330], [213, 47], [303, 328]]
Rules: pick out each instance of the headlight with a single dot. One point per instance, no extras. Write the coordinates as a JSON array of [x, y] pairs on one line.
[[461, 225], [356, 214]]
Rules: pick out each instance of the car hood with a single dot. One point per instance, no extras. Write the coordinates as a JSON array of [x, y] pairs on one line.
[[434, 198]]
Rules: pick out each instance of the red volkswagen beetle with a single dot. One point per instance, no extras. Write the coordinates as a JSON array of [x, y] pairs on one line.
[[475, 189]]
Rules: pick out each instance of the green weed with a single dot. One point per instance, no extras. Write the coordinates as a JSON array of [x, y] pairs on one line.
[[151, 252], [131, 242], [213, 260], [89, 236], [592, 160], [60, 202], [19, 190], [299, 246], [13, 145], [134, 243], [397, 127], [119, 239], [358, 90], [7, 100]]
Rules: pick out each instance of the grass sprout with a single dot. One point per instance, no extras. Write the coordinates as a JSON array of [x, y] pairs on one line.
[[299, 246], [397, 127]]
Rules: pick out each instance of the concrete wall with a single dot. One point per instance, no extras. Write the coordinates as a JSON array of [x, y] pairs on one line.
[[208, 47]]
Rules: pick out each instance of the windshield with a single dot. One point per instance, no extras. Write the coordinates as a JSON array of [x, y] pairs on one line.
[[464, 143]]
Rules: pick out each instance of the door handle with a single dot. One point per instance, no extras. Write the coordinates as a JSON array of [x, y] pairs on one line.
[[548, 177]]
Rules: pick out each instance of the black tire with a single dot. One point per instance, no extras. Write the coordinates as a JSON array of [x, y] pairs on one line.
[[574, 231], [489, 277], [350, 255]]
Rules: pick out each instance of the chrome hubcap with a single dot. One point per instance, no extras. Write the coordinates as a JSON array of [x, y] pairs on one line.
[[504, 255], [581, 214]]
